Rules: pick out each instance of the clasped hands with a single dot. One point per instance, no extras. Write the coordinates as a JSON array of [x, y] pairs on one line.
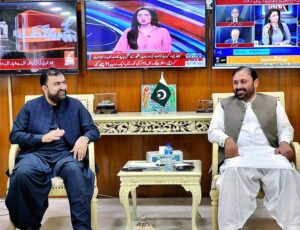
[[80, 148], [231, 149]]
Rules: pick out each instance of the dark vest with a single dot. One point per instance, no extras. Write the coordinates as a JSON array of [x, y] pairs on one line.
[[264, 107]]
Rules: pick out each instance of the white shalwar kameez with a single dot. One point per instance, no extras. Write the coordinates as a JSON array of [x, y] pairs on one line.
[[240, 177]]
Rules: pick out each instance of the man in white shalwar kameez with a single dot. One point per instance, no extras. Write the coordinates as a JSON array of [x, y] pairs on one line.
[[256, 134]]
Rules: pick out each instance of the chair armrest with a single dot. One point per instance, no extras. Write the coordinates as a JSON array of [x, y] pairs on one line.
[[215, 153], [92, 156], [296, 147], [13, 153], [215, 159]]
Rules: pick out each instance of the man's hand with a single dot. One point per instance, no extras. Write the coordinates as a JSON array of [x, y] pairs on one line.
[[53, 135], [80, 148], [231, 148], [285, 150]]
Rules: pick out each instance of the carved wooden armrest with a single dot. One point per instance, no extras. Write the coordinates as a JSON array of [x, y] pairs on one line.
[[13, 153], [296, 147], [215, 159], [92, 156]]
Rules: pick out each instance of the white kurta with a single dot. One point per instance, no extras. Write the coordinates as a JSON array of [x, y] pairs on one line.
[[240, 177]]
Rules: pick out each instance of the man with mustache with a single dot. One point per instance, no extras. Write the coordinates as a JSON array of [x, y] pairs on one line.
[[255, 134], [53, 132]]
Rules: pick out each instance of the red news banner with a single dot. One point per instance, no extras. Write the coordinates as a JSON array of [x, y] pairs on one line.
[[247, 2], [121, 60]]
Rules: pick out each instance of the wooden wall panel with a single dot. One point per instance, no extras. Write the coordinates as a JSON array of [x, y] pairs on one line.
[[289, 82], [192, 84], [4, 130], [112, 153]]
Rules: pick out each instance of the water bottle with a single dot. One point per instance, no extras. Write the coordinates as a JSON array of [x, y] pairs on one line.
[[168, 157]]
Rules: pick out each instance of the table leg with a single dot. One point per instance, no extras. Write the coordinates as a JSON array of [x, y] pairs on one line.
[[133, 197], [196, 195], [124, 199]]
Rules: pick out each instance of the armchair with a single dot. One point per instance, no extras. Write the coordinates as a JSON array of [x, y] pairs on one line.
[[58, 188], [214, 193]]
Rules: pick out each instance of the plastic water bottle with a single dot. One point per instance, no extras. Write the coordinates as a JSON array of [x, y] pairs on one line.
[[168, 157]]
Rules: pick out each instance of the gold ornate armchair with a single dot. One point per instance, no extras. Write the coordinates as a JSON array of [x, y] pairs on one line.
[[58, 188], [214, 193]]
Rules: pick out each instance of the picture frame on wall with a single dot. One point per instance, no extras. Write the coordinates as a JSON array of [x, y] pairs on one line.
[[148, 105]]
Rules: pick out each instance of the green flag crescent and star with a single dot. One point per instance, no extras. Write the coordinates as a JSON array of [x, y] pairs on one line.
[[161, 93]]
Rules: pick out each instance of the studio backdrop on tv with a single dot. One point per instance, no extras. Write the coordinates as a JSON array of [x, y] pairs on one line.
[[36, 35], [267, 34], [181, 26]]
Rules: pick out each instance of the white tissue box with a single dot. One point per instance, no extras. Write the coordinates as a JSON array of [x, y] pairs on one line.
[[153, 156]]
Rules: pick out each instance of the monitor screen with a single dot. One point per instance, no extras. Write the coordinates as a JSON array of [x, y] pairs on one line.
[[36, 35], [260, 34], [145, 34]]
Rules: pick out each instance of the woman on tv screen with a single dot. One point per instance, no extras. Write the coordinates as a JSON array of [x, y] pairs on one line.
[[144, 34], [275, 32]]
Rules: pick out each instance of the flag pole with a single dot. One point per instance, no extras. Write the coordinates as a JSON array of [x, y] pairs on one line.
[[162, 107]]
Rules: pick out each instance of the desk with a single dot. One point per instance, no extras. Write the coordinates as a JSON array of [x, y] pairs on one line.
[[136, 123], [189, 180]]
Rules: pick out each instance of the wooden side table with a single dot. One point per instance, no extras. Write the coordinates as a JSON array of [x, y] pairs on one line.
[[189, 180]]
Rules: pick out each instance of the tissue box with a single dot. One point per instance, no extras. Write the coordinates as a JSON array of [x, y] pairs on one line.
[[153, 156]]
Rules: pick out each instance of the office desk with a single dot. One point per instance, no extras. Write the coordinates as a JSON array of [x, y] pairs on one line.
[[189, 180], [136, 123]]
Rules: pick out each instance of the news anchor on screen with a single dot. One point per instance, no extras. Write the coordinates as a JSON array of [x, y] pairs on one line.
[[235, 16], [275, 32], [235, 37], [144, 34]]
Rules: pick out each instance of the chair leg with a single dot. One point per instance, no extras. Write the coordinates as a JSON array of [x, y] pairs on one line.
[[214, 194], [94, 213]]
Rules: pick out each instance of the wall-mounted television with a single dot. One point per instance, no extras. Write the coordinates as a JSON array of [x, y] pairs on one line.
[[36, 35], [267, 32], [177, 40]]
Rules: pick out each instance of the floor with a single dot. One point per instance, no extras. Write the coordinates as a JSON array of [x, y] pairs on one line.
[[162, 213]]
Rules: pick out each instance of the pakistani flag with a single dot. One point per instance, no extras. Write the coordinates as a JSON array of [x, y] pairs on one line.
[[161, 93]]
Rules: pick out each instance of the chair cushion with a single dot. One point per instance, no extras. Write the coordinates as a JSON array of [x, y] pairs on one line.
[[57, 183]]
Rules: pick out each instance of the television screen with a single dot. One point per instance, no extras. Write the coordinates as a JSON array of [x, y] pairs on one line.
[[260, 34], [145, 34], [36, 35]]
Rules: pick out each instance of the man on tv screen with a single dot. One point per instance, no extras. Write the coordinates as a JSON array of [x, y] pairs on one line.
[[235, 16], [235, 37]]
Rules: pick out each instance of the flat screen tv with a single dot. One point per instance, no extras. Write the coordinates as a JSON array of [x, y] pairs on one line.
[[180, 21], [267, 31], [36, 35]]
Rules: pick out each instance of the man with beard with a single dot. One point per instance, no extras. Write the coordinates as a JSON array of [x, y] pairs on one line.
[[53, 132], [255, 134]]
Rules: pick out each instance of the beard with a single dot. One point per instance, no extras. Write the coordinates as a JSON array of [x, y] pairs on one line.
[[243, 94], [58, 97]]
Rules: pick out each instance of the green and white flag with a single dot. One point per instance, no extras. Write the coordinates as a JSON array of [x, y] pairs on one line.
[[161, 93]]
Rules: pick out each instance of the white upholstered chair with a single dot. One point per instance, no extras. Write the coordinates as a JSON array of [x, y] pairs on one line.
[[58, 188], [214, 193]]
